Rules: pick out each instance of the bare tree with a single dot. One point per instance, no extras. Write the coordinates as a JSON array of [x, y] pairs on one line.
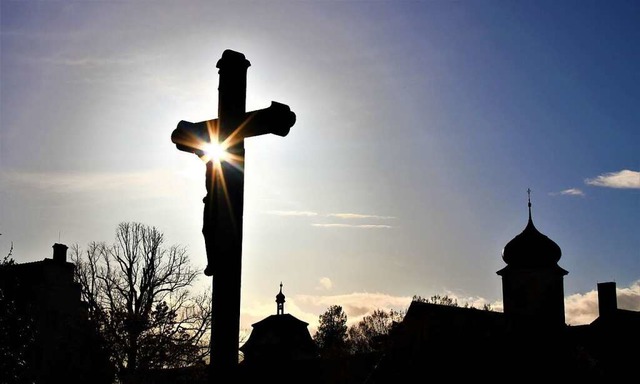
[[8, 260], [137, 290]]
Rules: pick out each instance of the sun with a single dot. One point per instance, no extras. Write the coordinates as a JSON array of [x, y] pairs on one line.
[[216, 152]]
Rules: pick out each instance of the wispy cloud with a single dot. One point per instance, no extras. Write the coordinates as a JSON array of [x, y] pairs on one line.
[[24, 32], [572, 192], [341, 216], [151, 182], [97, 61], [342, 225], [292, 213], [623, 179], [358, 216]]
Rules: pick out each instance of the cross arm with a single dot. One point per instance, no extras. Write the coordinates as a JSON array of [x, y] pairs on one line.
[[276, 119]]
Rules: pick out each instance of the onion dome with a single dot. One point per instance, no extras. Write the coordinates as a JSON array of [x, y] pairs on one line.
[[280, 295], [531, 248]]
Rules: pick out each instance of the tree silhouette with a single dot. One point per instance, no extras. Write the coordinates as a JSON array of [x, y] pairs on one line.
[[331, 336], [137, 291], [369, 333], [437, 299], [16, 333], [446, 300]]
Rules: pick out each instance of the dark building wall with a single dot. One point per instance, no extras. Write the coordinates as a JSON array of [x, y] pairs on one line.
[[65, 344], [533, 299]]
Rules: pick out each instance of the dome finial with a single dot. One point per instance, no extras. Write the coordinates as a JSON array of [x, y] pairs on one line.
[[529, 201]]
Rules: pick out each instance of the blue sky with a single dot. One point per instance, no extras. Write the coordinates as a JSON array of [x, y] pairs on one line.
[[420, 127]]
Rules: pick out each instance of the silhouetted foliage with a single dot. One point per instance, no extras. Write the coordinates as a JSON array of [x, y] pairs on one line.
[[331, 336], [16, 333], [368, 334], [446, 300], [137, 292], [437, 299]]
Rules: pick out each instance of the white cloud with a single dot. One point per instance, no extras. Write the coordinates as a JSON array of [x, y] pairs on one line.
[[292, 213], [579, 308], [622, 179], [572, 192], [326, 283], [339, 225], [355, 305], [583, 308], [358, 216], [629, 298]]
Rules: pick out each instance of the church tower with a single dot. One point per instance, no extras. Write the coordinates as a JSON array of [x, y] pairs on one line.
[[279, 339], [532, 282]]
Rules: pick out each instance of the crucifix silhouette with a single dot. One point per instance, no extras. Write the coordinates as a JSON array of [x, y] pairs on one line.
[[223, 204]]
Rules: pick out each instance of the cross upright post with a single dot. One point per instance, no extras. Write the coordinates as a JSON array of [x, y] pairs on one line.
[[223, 204]]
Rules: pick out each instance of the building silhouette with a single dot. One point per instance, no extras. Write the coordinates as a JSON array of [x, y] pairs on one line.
[[58, 341], [279, 338], [529, 340], [276, 345], [532, 282]]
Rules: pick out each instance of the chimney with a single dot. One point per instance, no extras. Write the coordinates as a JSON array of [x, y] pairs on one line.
[[60, 253], [607, 302]]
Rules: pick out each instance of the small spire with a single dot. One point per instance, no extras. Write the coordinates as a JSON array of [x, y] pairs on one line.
[[280, 301]]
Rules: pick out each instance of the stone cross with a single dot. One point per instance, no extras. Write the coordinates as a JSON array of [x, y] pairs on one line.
[[223, 204]]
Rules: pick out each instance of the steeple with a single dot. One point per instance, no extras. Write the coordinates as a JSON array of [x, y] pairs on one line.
[[532, 282], [280, 302]]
